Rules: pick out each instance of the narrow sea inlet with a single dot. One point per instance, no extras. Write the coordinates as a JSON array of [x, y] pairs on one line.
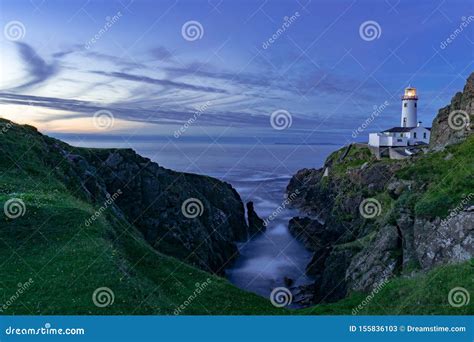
[[260, 173]]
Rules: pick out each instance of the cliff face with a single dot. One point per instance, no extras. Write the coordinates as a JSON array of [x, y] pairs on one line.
[[368, 220], [455, 121], [197, 219]]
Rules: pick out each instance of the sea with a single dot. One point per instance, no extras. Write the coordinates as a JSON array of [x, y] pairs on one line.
[[260, 173]]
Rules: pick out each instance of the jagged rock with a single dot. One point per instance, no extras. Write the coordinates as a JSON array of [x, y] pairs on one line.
[[333, 283], [405, 220], [444, 241], [311, 233], [376, 262], [442, 134], [256, 224], [153, 198], [397, 187]]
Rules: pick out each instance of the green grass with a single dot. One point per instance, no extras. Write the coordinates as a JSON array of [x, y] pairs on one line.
[[423, 294], [449, 177], [67, 260]]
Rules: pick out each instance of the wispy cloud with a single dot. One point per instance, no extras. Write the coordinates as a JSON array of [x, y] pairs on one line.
[[39, 70], [161, 82]]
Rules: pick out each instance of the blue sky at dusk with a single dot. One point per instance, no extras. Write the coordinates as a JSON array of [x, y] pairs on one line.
[[152, 79]]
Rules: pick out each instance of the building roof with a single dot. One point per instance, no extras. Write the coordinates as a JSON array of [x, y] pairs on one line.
[[402, 129], [398, 129]]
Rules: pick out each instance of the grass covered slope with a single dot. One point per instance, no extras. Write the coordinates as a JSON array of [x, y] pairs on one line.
[[68, 260], [423, 294]]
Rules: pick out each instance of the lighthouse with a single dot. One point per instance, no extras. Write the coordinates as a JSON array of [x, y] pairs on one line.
[[409, 104], [409, 134]]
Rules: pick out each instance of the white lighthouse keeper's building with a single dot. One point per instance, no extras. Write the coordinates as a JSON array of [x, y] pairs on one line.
[[410, 132]]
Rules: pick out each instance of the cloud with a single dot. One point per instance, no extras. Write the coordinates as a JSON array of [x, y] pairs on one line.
[[161, 53], [161, 82], [39, 70]]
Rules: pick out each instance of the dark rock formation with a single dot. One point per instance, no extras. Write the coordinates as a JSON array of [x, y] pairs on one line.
[[197, 219], [452, 129], [256, 224]]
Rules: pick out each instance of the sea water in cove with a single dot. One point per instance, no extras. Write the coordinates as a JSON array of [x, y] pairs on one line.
[[260, 174]]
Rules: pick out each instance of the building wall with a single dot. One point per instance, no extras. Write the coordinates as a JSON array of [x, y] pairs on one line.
[[420, 131], [378, 140]]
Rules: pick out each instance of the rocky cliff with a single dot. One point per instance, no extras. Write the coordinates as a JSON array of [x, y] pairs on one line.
[[197, 219], [455, 121], [369, 220]]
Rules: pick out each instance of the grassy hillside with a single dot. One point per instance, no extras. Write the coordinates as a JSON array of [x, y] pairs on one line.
[[67, 260], [423, 294]]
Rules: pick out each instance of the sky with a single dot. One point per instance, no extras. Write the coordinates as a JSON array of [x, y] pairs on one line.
[[294, 71]]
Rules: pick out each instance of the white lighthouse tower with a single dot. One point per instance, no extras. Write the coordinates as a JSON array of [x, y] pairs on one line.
[[409, 115]]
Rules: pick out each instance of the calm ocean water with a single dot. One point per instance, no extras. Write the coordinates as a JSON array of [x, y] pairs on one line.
[[260, 174]]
